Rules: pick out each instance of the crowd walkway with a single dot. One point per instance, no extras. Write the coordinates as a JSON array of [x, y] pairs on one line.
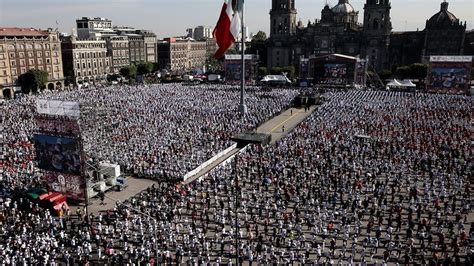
[[282, 124], [134, 187]]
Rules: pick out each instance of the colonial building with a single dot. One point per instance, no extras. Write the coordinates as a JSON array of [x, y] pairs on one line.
[[181, 55], [93, 28], [118, 51], [142, 45], [338, 31], [27, 48], [85, 61]]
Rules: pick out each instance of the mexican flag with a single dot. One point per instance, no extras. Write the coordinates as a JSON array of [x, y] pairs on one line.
[[228, 26]]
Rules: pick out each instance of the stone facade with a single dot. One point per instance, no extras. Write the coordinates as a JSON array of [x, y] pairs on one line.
[[86, 60], [118, 51], [26, 48], [93, 28], [181, 55], [338, 31]]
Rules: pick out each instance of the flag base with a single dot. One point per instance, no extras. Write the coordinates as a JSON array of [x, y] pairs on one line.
[[243, 108]]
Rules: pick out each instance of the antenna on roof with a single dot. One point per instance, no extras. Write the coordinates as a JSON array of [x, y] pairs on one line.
[[57, 25]]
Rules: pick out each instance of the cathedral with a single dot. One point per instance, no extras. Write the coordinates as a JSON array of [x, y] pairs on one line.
[[339, 32]]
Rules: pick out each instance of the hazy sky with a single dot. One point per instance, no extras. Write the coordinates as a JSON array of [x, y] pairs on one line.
[[172, 17]]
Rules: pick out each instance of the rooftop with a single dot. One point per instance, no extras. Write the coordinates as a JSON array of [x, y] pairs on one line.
[[22, 32]]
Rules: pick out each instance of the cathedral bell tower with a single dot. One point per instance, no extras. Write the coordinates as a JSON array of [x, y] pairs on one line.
[[377, 30], [282, 18]]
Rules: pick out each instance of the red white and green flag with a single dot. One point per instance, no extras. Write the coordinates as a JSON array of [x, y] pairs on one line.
[[228, 26]]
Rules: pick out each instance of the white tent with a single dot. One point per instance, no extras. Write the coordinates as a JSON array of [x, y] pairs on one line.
[[394, 84], [280, 78], [408, 84]]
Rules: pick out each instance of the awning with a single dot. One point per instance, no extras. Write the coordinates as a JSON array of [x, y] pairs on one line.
[[33, 195]]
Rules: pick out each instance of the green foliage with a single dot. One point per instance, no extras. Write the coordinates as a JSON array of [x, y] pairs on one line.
[[258, 45], [113, 77], [129, 71], [276, 70], [418, 71], [155, 68], [403, 72], [213, 65], [415, 71], [288, 70], [262, 71], [232, 50], [33, 80], [385, 74], [144, 68], [260, 36]]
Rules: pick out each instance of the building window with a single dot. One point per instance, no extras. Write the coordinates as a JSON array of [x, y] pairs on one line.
[[48, 61], [13, 63], [11, 47]]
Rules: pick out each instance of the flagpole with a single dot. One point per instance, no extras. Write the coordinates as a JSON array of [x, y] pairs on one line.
[[242, 106]]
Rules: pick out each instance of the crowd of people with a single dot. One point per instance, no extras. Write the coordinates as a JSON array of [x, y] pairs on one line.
[[370, 177], [154, 131]]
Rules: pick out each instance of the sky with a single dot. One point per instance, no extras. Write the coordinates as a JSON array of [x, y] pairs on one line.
[[172, 17]]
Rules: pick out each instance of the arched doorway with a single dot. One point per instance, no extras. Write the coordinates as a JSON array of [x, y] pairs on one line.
[[50, 86], [7, 93], [59, 85]]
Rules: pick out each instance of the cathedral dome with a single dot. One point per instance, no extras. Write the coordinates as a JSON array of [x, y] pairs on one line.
[[343, 7], [443, 17]]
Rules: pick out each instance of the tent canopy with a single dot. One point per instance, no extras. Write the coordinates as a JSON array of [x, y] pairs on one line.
[[275, 78], [394, 83], [408, 83]]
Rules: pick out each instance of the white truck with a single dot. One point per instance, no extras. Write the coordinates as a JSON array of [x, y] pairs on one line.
[[214, 78]]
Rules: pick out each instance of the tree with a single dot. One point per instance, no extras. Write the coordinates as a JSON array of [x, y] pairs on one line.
[[156, 67], [403, 72], [33, 80], [262, 71], [418, 71], [289, 70], [258, 45], [213, 65], [144, 68], [276, 70], [385, 74], [129, 71]]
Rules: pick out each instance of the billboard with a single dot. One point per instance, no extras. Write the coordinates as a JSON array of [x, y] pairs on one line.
[[60, 108], [59, 147], [333, 70], [233, 65], [58, 154], [449, 74], [335, 73]]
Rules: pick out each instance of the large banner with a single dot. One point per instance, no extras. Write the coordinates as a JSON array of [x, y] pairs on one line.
[[59, 154], [59, 147], [449, 74], [335, 73], [61, 108], [233, 65]]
